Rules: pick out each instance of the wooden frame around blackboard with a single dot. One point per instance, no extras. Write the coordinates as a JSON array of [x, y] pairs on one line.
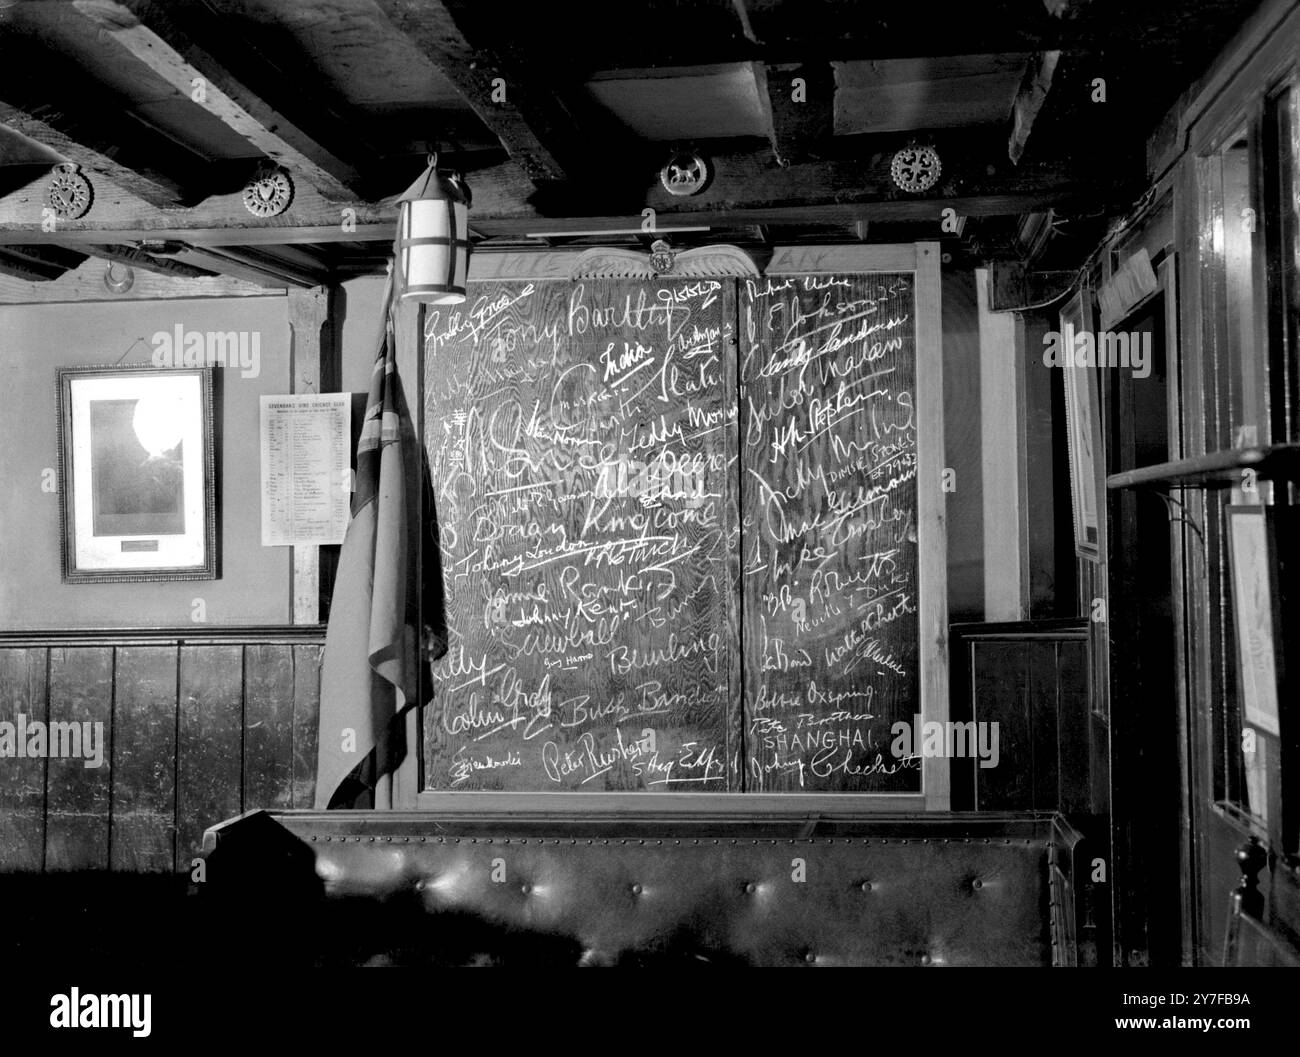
[[921, 259]]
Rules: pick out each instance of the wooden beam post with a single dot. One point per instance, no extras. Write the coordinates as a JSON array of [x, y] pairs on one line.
[[1001, 341], [308, 312]]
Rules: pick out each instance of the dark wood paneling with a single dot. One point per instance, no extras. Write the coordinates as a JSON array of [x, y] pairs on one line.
[[1002, 695], [1044, 681], [306, 722], [77, 796], [1031, 678], [144, 759], [268, 726], [209, 758], [194, 731], [22, 780], [1072, 726]]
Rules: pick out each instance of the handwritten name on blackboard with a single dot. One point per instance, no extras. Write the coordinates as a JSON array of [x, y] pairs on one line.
[[828, 501], [581, 442]]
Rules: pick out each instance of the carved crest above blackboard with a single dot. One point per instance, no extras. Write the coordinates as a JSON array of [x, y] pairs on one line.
[[699, 262]]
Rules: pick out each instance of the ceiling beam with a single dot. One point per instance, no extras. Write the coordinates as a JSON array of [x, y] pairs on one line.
[[146, 32], [255, 266], [88, 146], [799, 105], [1029, 100], [135, 257], [534, 127], [747, 187], [38, 263]]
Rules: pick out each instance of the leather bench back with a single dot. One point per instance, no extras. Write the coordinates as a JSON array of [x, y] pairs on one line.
[[864, 890]]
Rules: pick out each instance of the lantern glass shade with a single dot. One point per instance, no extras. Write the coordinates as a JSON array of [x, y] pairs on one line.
[[432, 250]]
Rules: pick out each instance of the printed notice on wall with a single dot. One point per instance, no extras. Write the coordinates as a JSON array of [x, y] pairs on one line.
[[306, 473]]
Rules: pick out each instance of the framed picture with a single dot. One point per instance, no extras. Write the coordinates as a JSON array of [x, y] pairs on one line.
[[137, 474], [1256, 611], [1083, 431]]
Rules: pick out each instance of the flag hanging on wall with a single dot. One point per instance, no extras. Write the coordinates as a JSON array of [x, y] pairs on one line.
[[370, 672]]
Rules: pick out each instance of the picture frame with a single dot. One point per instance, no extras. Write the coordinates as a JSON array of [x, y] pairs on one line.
[[1256, 612], [137, 473], [1083, 433]]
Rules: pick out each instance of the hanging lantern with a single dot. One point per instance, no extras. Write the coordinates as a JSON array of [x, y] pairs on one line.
[[432, 248]]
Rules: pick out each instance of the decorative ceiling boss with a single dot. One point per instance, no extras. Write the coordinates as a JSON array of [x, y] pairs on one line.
[[269, 193], [69, 193], [916, 168]]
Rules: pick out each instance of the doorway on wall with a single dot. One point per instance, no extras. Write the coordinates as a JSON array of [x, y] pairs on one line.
[[1146, 797]]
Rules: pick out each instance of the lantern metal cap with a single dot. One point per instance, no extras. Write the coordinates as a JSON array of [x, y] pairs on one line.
[[432, 185]]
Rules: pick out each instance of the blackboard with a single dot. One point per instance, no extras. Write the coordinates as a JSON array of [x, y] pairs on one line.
[[683, 539], [828, 445], [581, 442]]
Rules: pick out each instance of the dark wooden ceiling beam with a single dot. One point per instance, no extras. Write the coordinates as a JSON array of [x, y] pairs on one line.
[[799, 104], [147, 33], [89, 147], [1029, 100], [135, 257], [535, 128], [38, 263], [747, 187], [264, 266], [226, 261]]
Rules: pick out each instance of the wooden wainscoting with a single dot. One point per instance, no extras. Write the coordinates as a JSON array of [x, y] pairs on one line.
[[197, 727], [1031, 678]]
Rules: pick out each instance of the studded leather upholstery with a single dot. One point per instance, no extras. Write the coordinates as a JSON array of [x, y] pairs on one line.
[[397, 888]]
